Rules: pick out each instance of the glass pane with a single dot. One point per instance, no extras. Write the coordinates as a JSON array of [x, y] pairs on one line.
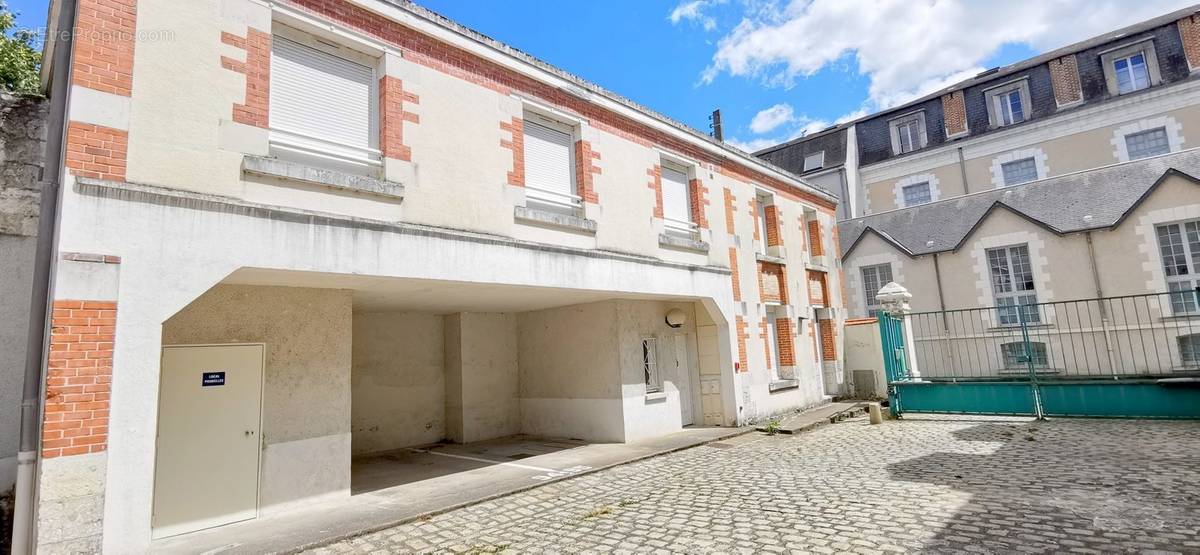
[[1021, 269], [1124, 79], [1139, 72], [917, 194], [998, 263], [1170, 244], [1147, 143], [1189, 349], [1019, 171], [1014, 103]]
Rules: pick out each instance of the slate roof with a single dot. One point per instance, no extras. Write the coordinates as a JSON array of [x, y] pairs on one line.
[[1092, 199]]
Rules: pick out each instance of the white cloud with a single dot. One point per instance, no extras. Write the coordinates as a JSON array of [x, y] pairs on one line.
[[753, 145], [693, 10], [907, 48], [767, 120]]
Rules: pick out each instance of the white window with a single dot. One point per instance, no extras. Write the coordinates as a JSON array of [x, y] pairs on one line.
[[1147, 143], [814, 161], [874, 278], [1179, 244], [1189, 349], [1012, 285], [650, 364], [908, 133], [549, 164], [917, 193], [762, 201], [773, 344], [323, 104], [1132, 73], [1019, 171], [677, 201], [1015, 356]]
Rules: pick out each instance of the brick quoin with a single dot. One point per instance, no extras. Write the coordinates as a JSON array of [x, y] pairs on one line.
[[955, 112], [393, 116], [774, 238], [733, 266], [754, 215], [1189, 34], [786, 345], [742, 336], [815, 244], [79, 378], [699, 199], [516, 143], [765, 335], [428, 52], [105, 32], [257, 69], [96, 152], [655, 185], [730, 208], [585, 169], [1064, 79]]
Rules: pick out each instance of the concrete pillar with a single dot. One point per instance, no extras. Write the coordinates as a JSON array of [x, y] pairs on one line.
[[481, 376], [896, 302]]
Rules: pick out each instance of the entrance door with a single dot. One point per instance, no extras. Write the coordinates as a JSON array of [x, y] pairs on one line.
[[682, 376], [209, 415]]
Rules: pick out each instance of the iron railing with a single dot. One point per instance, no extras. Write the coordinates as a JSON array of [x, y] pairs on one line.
[[1133, 336]]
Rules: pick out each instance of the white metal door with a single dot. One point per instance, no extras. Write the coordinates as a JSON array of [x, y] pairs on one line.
[[682, 376], [209, 418]]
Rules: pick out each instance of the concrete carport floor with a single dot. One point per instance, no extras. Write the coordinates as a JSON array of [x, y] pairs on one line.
[[384, 399]]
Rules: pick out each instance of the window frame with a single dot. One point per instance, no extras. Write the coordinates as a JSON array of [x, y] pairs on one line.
[[993, 96], [819, 165], [1007, 302], [651, 370], [546, 198], [772, 340], [688, 227], [762, 199], [872, 304], [1108, 59], [321, 151], [1041, 360], [1181, 287], [1030, 159], [904, 189], [897, 123], [1165, 136], [1192, 360]]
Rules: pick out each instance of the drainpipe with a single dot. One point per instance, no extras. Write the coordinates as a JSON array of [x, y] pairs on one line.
[[962, 169], [25, 513], [937, 278], [1104, 323]]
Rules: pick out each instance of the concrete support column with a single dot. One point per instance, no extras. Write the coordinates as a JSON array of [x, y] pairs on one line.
[[482, 387]]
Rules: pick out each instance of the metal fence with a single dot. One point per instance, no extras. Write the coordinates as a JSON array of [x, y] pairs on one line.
[[1134, 336]]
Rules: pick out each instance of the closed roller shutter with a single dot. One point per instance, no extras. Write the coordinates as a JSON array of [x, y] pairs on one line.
[[548, 164], [675, 195], [318, 95]]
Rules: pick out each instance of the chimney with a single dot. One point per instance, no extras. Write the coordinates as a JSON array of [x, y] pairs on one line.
[[714, 124]]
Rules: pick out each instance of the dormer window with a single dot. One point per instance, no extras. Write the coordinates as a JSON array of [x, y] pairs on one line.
[[1008, 103], [908, 132], [1130, 68]]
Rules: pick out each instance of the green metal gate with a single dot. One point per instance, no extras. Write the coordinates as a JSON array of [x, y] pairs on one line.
[[1135, 356]]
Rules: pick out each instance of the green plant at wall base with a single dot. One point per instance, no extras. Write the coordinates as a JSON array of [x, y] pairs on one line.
[[20, 61], [772, 427]]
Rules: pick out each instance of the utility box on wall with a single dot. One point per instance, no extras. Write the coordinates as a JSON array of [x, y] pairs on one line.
[[864, 358]]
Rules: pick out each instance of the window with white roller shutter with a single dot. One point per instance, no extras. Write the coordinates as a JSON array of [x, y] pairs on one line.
[[323, 104], [677, 210], [549, 164]]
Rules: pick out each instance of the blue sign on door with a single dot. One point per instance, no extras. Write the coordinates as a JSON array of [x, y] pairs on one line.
[[212, 378]]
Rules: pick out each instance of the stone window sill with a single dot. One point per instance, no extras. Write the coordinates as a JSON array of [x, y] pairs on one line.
[[548, 218], [656, 396], [682, 243], [761, 257], [780, 385], [292, 171]]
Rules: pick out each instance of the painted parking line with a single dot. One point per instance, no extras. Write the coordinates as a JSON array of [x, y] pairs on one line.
[[547, 473]]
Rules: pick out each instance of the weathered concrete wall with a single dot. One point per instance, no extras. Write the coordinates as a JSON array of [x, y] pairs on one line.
[[570, 372], [398, 384], [306, 390], [649, 416], [23, 143], [481, 376]]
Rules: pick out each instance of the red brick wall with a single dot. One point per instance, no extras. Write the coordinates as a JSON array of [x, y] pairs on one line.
[[765, 335], [828, 340], [733, 266], [742, 336], [392, 98], [955, 112], [78, 382], [1064, 79], [1189, 32], [787, 350], [104, 38], [585, 169], [772, 282], [257, 69], [753, 204], [818, 289], [655, 185], [458, 63], [730, 208], [516, 143], [815, 243], [699, 198], [96, 152], [774, 237]]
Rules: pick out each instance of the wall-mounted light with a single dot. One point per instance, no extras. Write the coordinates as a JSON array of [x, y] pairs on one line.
[[676, 318]]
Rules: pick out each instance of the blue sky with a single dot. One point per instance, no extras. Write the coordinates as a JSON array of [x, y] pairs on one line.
[[798, 65]]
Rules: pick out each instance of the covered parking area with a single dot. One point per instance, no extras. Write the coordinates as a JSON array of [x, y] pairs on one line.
[[411, 394]]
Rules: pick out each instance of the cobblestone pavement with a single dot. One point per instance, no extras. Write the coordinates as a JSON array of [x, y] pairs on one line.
[[924, 484]]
